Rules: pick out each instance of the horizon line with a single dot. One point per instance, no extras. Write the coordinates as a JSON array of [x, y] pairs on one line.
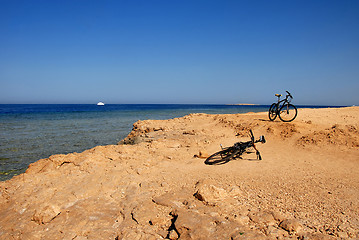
[[228, 104]]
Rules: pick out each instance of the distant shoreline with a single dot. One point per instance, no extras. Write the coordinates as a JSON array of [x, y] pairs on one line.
[[244, 104]]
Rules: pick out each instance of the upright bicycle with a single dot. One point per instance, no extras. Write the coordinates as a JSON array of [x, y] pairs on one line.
[[286, 111], [235, 151]]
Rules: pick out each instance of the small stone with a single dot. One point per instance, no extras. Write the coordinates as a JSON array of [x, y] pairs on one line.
[[235, 192], [175, 145], [278, 216], [46, 214], [173, 235], [242, 219], [139, 171], [342, 235], [80, 238], [203, 154]]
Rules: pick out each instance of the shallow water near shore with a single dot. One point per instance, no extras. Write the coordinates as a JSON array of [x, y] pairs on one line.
[[29, 132]]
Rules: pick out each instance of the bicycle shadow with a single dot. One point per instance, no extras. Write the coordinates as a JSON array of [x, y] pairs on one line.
[[264, 120], [219, 161]]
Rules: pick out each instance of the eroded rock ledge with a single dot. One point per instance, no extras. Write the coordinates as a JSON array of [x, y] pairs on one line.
[[155, 185]]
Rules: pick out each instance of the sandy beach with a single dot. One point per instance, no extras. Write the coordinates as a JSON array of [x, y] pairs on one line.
[[155, 185]]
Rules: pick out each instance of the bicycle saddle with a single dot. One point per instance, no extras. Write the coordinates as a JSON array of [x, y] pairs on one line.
[[278, 95]]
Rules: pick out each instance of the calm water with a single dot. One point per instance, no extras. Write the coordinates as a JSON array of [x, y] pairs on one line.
[[31, 132]]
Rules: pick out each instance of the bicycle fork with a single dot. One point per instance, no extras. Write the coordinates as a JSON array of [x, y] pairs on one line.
[[287, 108]]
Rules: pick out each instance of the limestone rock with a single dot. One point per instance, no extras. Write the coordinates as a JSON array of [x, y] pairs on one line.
[[202, 154], [173, 235], [262, 217], [46, 214], [291, 225], [210, 194]]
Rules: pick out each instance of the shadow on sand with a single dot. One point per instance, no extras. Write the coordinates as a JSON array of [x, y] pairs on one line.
[[218, 159]]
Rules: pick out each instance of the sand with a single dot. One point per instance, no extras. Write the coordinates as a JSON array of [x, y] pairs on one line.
[[155, 184]]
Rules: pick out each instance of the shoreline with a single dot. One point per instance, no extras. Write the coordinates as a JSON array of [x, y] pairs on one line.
[[49, 122], [142, 188]]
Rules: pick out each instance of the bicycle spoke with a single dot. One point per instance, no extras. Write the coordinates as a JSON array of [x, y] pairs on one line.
[[220, 157], [272, 112], [287, 113]]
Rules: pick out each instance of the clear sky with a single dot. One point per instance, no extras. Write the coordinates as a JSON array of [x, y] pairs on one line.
[[179, 51]]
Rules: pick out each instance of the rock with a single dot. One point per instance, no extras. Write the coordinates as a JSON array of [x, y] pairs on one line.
[[242, 219], [247, 235], [173, 235], [46, 214], [202, 154], [291, 225], [174, 200], [189, 132], [149, 214], [174, 145], [235, 192], [194, 225], [137, 234], [342, 235], [278, 216], [210, 194], [80, 238], [315, 236], [278, 233], [262, 217], [131, 140]]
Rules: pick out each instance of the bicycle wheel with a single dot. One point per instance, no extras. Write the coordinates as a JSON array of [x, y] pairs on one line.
[[272, 113], [288, 113], [221, 157]]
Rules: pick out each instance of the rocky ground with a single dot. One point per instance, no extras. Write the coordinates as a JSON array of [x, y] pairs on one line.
[[155, 185]]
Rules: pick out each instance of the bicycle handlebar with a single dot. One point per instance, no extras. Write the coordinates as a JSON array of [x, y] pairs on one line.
[[290, 95], [251, 135]]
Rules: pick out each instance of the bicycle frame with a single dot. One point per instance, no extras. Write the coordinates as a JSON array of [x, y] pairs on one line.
[[283, 101]]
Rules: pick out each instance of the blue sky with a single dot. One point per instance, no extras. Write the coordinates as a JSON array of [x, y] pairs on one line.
[[179, 51]]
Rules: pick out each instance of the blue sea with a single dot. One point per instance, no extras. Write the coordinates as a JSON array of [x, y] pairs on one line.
[[29, 132]]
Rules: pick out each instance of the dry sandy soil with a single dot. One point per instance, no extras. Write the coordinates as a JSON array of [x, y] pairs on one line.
[[155, 184]]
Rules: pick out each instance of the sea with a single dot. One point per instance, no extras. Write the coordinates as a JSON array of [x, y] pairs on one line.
[[29, 132]]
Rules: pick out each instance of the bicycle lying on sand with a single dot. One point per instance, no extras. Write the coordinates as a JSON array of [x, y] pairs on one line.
[[287, 112], [235, 151]]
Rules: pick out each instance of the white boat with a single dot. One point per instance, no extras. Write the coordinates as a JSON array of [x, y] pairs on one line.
[[100, 104]]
